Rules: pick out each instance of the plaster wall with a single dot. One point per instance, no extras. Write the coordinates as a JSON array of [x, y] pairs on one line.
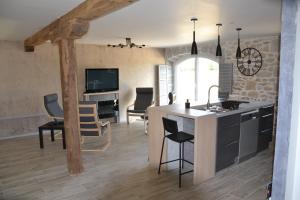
[[26, 77]]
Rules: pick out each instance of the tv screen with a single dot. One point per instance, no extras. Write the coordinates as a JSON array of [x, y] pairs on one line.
[[101, 80]]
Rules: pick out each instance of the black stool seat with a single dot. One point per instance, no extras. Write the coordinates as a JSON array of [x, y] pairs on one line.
[[180, 137]]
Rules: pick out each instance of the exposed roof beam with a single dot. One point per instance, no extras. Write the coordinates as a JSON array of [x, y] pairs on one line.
[[86, 11]]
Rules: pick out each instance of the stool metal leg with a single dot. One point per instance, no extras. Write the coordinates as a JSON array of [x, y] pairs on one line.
[[52, 135], [64, 138], [41, 138], [161, 154], [182, 155], [180, 165]]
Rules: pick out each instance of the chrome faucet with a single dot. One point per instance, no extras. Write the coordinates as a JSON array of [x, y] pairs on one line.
[[208, 100]]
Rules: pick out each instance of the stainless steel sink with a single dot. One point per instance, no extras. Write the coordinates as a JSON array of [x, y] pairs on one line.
[[231, 104], [223, 106], [216, 109]]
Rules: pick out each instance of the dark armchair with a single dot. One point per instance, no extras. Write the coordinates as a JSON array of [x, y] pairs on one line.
[[144, 99], [54, 110]]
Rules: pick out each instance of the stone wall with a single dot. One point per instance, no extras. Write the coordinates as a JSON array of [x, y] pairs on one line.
[[260, 87], [263, 86]]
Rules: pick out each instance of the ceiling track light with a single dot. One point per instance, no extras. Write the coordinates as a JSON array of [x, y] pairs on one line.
[[194, 49], [128, 44], [238, 50], [219, 49]]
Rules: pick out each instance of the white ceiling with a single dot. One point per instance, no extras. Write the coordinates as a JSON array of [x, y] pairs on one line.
[[157, 23]]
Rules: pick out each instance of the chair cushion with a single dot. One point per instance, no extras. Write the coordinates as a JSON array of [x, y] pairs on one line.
[[144, 97], [52, 106], [89, 133], [88, 102], [180, 137], [136, 111], [89, 123]]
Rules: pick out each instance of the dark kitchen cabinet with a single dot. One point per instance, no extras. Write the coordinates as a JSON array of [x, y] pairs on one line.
[[265, 127], [228, 135]]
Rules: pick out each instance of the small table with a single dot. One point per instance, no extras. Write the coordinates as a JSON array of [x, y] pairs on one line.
[[51, 126]]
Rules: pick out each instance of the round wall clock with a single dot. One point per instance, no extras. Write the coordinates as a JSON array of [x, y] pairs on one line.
[[250, 62]]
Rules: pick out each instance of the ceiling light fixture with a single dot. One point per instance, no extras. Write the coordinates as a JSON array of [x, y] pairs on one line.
[[219, 50], [238, 50], [128, 44], [194, 50]]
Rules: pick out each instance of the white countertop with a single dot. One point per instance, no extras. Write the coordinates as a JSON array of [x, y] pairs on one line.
[[180, 110], [245, 107]]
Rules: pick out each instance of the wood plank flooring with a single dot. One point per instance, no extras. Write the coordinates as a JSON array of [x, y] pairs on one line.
[[122, 172]]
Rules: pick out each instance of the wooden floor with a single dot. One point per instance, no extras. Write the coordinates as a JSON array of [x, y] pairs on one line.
[[28, 173]]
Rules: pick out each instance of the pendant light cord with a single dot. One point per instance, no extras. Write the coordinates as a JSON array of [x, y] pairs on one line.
[[218, 34], [194, 37]]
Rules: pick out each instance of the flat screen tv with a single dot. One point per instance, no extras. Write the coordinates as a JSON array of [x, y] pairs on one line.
[[101, 80]]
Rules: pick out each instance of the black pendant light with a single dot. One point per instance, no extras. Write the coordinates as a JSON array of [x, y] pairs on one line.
[[238, 50], [219, 50], [194, 50]]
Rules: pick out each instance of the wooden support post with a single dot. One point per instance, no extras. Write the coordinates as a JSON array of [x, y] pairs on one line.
[[64, 31], [68, 68]]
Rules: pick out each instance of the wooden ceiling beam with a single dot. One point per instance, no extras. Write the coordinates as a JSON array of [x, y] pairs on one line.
[[72, 29], [85, 12]]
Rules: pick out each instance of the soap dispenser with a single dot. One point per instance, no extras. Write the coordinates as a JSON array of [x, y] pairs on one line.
[[187, 104]]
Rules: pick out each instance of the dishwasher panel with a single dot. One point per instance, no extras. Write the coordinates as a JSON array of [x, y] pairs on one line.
[[248, 135]]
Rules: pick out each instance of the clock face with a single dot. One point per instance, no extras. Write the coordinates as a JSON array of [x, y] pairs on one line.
[[250, 62]]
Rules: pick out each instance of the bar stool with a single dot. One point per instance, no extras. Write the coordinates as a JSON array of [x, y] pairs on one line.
[[179, 137]]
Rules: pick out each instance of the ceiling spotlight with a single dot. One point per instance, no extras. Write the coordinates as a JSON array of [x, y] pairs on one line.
[[128, 44]]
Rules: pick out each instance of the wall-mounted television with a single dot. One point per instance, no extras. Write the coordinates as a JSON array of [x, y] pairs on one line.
[[101, 79]]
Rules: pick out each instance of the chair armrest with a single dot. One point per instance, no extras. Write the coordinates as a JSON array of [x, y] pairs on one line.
[[152, 104], [107, 123], [52, 117], [128, 107]]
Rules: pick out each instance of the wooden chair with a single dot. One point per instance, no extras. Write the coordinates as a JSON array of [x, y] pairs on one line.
[[91, 126]]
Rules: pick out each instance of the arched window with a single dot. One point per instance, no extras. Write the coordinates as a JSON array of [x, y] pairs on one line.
[[193, 77]]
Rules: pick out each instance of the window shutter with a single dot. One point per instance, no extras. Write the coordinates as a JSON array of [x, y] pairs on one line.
[[225, 80], [165, 83]]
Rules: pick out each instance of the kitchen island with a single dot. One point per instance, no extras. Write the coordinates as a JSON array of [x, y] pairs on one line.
[[203, 124]]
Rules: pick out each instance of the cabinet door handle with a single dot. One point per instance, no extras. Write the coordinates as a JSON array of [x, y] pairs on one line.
[[264, 116], [231, 143], [267, 107]]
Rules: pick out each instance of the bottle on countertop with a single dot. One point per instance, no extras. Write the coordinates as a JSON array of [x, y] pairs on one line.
[[187, 104]]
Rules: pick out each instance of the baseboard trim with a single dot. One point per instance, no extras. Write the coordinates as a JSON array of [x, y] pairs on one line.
[[23, 116], [18, 136]]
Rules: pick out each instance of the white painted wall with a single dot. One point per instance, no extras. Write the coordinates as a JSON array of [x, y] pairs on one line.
[[293, 173]]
